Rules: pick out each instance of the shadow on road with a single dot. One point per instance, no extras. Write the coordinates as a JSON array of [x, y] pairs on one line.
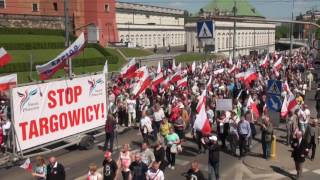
[[282, 172]]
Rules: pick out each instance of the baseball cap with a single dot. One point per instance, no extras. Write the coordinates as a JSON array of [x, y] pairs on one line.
[[107, 154]]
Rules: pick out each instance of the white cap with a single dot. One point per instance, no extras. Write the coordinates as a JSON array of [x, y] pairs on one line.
[[213, 138]]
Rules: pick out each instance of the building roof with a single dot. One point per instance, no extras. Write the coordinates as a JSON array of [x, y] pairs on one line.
[[244, 8], [148, 8]]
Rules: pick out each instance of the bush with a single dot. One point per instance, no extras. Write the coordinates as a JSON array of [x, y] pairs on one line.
[[33, 31], [111, 58], [33, 45], [25, 66]]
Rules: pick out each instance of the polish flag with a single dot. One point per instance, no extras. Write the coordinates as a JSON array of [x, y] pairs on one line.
[[176, 77], [158, 80], [286, 87], [183, 82], [209, 83], [234, 68], [142, 84], [202, 122], [238, 64], [230, 60], [240, 76], [165, 84], [219, 71], [179, 67], [250, 75], [193, 67], [173, 65], [253, 107], [27, 165], [205, 68], [292, 102], [129, 68], [278, 64], [202, 100], [159, 68], [265, 61], [5, 58], [139, 73], [7, 82], [284, 108]]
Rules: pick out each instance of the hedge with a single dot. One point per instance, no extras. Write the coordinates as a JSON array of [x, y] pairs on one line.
[[112, 59], [33, 45], [33, 31], [79, 62]]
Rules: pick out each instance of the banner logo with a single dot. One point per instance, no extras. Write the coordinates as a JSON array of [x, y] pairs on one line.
[[93, 84], [25, 97]]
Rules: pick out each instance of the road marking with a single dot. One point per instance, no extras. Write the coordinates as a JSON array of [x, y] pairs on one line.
[[317, 171]]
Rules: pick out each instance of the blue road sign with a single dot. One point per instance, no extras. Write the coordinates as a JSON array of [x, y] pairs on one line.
[[274, 102], [205, 29], [274, 87]]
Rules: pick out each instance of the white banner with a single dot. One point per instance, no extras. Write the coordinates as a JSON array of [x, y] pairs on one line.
[[50, 68], [224, 104], [51, 111]]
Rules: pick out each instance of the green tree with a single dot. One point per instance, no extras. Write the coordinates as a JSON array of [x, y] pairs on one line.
[[282, 31], [318, 30]]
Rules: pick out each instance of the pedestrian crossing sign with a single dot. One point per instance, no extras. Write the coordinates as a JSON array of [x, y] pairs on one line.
[[205, 29], [274, 87]]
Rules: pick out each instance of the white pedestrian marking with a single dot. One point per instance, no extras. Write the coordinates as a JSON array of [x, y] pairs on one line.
[[317, 171]]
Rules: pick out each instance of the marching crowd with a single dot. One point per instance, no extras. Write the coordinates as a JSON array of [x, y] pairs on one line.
[[167, 103]]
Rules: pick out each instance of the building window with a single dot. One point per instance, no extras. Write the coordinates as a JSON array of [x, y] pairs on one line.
[[35, 7], [106, 8], [148, 16], [55, 6], [2, 4]]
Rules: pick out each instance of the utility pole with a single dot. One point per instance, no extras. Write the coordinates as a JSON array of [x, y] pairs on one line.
[[67, 39], [291, 29], [234, 30]]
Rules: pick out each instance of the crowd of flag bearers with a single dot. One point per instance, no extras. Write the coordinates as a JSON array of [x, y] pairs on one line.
[[169, 104]]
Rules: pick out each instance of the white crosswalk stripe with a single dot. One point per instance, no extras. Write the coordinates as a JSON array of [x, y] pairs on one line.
[[317, 171]]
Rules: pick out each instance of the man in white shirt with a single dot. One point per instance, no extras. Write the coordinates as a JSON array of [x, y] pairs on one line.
[[131, 105], [145, 126], [158, 117], [6, 126]]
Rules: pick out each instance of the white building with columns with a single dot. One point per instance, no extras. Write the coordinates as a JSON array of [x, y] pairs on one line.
[[250, 36], [150, 26]]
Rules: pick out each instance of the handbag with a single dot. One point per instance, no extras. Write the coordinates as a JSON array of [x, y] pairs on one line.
[[179, 148], [173, 149]]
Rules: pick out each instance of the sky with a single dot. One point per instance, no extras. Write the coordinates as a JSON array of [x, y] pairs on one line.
[[275, 9]]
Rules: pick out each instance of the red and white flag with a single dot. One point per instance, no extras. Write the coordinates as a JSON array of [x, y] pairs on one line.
[[240, 76], [233, 68], [250, 75], [238, 64], [7, 82], [174, 65], [47, 70], [209, 84], [142, 84], [219, 71], [139, 73], [292, 102], [158, 79], [183, 82], [27, 165], [193, 67], [159, 68], [202, 100], [176, 77], [284, 108], [230, 60], [129, 68], [5, 57], [205, 68], [265, 61], [202, 122], [179, 67], [253, 107], [286, 87], [278, 64]]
